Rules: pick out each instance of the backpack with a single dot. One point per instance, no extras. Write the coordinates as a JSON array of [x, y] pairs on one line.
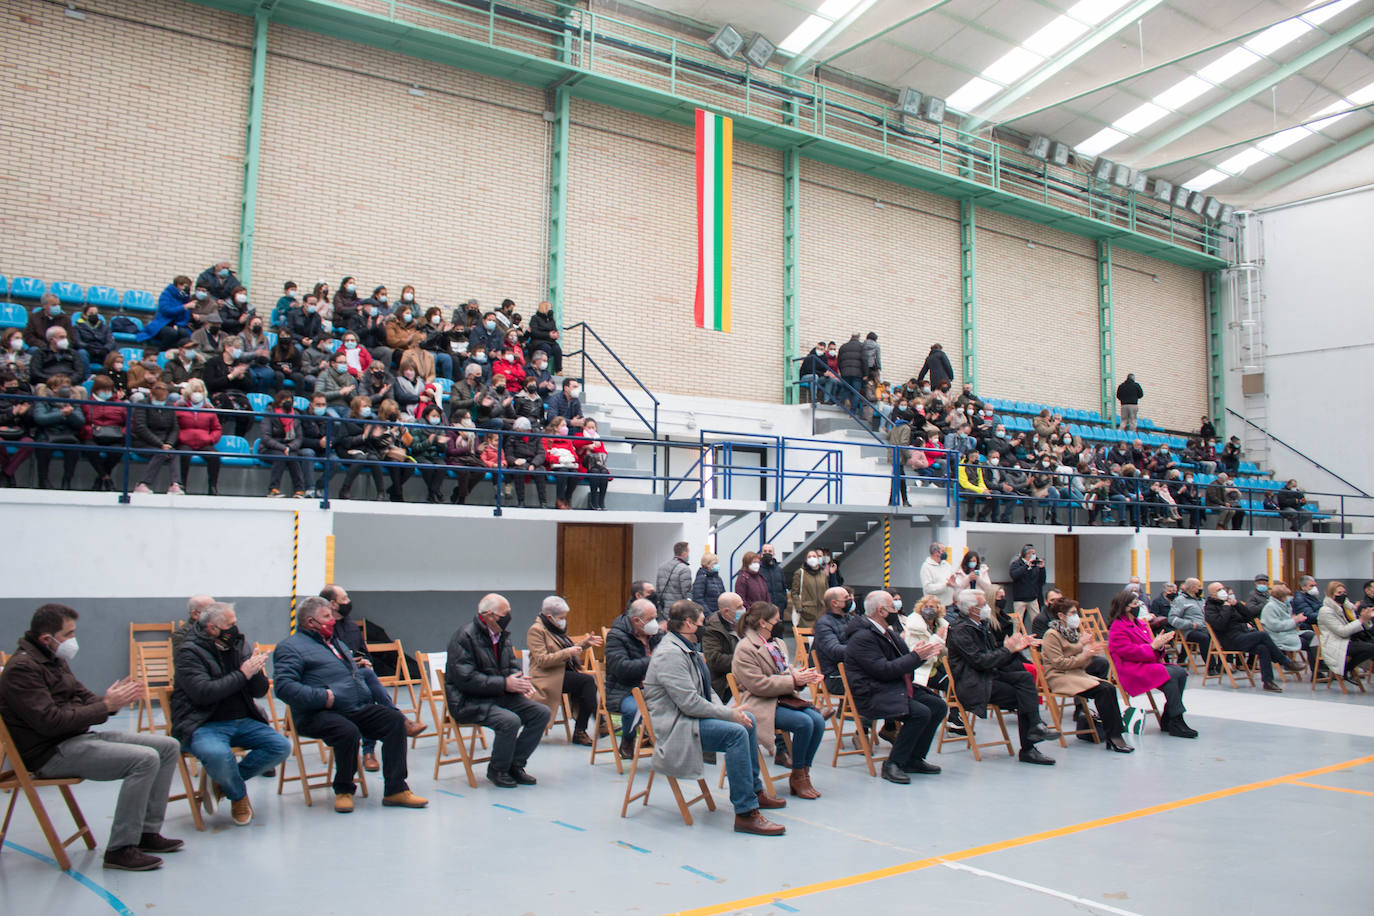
[[123, 324]]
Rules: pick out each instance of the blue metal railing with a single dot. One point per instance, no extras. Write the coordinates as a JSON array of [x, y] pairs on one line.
[[650, 424]]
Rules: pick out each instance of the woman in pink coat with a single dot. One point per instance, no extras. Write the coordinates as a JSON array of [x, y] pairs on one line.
[[1138, 655]]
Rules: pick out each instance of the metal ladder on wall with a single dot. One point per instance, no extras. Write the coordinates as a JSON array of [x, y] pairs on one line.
[[1245, 280]]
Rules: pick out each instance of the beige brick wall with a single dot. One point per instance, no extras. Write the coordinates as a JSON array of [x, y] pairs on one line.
[[121, 139], [877, 256], [1037, 313], [1161, 336], [359, 177], [632, 256]]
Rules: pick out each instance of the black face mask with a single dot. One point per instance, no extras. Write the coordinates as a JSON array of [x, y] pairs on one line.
[[345, 608], [503, 621], [1340, 596], [229, 637], [767, 559]]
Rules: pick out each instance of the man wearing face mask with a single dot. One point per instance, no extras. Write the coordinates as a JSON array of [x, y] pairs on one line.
[[719, 639], [815, 373], [214, 709], [833, 630], [1307, 601], [218, 279], [806, 599], [630, 643], [566, 403], [93, 336], [316, 676], [485, 687], [56, 358], [1188, 617], [1232, 623], [1160, 606], [673, 580], [1027, 583], [1259, 596], [879, 666], [49, 714], [987, 669], [235, 312], [47, 316], [771, 571]]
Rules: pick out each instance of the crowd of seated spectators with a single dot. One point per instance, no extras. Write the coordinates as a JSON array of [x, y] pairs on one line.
[[462, 380], [1046, 470]]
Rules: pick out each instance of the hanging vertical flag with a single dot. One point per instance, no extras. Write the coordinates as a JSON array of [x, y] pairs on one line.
[[715, 149]]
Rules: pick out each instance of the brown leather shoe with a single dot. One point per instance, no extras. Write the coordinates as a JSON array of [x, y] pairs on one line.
[[582, 738], [406, 799], [799, 784], [754, 822], [343, 803], [414, 727], [771, 801], [241, 811], [370, 763]]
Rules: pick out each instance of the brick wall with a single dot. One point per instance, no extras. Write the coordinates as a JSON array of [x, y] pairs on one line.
[[121, 139], [1037, 313], [1161, 336]]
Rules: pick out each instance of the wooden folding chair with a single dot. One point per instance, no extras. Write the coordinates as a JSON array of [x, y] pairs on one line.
[[804, 636], [1190, 656], [1126, 697], [148, 632], [763, 762], [821, 697], [271, 697], [1056, 703], [1223, 658], [867, 738], [646, 729], [163, 697], [603, 718], [452, 730], [320, 779], [402, 678], [1330, 676], [4, 659], [153, 668], [16, 779], [967, 719]]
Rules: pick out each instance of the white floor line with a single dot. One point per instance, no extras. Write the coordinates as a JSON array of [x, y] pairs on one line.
[[1247, 705], [1091, 905]]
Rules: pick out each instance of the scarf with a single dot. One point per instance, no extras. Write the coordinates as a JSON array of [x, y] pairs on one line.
[[561, 638], [1064, 631]]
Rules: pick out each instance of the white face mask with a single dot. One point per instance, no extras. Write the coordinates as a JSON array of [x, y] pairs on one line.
[[67, 650], [1143, 613], [985, 613], [813, 562], [560, 622], [651, 628], [753, 567], [1030, 559], [197, 398], [1072, 621], [1313, 591], [1223, 595], [896, 604], [240, 298]]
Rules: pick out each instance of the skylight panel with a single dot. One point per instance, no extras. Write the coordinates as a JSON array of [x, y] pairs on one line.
[[1281, 141], [1276, 36], [802, 36], [1136, 121], [1206, 180], [1182, 92], [972, 94], [1100, 142], [1243, 160], [1055, 36], [1010, 66], [836, 9], [1228, 65], [1094, 11], [1318, 16]]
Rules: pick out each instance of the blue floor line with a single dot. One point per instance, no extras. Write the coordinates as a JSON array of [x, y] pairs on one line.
[[571, 826], [631, 846], [784, 907], [507, 807], [696, 871], [115, 903], [454, 794]]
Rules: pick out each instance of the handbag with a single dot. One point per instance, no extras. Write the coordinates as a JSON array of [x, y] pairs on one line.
[[107, 435], [794, 702]]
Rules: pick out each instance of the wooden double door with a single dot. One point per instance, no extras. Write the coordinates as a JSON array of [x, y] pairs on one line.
[[594, 569]]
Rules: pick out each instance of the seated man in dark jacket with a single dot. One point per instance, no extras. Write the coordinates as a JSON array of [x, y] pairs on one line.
[[832, 631], [49, 714], [484, 686], [718, 640], [879, 666], [629, 643], [987, 669], [1233, 623], [214, 708], [315, 674]]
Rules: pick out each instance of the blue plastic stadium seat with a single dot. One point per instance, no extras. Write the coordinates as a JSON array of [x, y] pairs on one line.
[[136, 300], [26, 288], [131, 355], [445, 385], [69, 293], [4, 285], [13, 316], [300, 404], [239, 452], [127, 336], [106, 297], [161, 360], [261, 401], [272, 338]]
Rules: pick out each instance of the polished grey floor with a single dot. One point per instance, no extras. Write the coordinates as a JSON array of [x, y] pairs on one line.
[[561, 847]]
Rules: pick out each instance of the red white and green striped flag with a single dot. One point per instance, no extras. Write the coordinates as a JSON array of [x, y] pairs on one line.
[[715, 148]]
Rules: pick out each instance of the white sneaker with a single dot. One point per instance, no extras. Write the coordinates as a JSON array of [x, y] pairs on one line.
[[143, 488], [174, 490]]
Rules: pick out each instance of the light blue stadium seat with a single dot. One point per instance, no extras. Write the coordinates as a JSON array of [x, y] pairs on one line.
[[27, 288], [445, 385], [272, 338], [106, 297], [136, 300], [131, 355], [13, 316], [126, 336], [69, 293], [161, 360], [4, 285], [261, 401], [237, 451], [300, 404]]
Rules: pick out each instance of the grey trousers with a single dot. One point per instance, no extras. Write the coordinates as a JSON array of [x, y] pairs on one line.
[[146, 763], [1129, 412]]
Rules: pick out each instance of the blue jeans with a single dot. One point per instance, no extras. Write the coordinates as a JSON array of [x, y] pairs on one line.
[[629, 715], [822, 388], [214, 742], [807, 728], [741, 759], [443, 365]]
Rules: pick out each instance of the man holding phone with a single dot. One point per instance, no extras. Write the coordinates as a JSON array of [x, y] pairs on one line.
[[1027, 583]]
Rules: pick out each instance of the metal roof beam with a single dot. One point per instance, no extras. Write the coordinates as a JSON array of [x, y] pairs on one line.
[[1264, 136], [808, 54], [1301, 62], [1316, 161], [880, 33]]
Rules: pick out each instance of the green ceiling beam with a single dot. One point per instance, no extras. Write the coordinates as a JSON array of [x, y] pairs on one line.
[[1315, 161], [886, 31], [1209, 114], [807, 54], [1264, 136]]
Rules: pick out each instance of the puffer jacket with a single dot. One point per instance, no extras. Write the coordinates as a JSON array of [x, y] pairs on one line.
[[303, 669], [198, 429], [206, 677], [707, 587], [626, 660], [475, 676], [154, 428]]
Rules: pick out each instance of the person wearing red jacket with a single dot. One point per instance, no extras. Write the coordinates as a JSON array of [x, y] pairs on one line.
[[510, 365], [591, 452], [560, 456], [198, 430], [358, 357], [106, 417]]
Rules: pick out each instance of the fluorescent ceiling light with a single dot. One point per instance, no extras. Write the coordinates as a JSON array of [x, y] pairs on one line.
[[1181, 93], [810, 29], [1362, 96], [1010, 66], [1276, 36], [1318, 16], [972, 94], [1206, 180], [1101, 141], [1136, 121], [836, 9], [1094, 11], [1228, 65], [1243, 160], [1281, 141], [1054, 36]]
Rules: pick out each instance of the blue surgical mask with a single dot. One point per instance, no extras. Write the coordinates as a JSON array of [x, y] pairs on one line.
[[490, 325], [432, 420], [202, 294], [318, 411], [366, 412], [104, 395], [222, 272], [1262, 589], [236, 352], [57, 310]]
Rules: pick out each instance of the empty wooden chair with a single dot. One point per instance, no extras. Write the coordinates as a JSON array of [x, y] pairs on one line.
[[453, 730], [966, 719], [865, 738], [603, 718], [646, 730], [153, 668], [16, 780], [400, 680], [148, 632]]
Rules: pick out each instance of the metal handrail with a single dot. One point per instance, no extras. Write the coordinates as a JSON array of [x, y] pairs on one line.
[[1308, 458], [586, 357]]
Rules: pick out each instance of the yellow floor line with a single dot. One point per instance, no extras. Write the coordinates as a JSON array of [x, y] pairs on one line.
[[904, 868], [1313, 785]]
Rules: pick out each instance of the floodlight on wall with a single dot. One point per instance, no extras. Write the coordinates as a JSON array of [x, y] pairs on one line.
[[416, 91], [1121, 176], [1103, 169], [1181, 197], [71, 12], [1038, 147], [1139, 181], [727, 42], [1228, 214], [760, 51], [1059, 153], [933, 109], [909, 102], [1196, 201], [1211, 208], [1162, 190]]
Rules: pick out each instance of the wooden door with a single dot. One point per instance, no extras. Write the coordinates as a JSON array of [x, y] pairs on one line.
[[1066, 564], [594, 563], [1297, 561]]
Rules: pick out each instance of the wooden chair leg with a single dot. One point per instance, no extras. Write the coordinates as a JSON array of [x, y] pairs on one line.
[[192, 797], [84, 829], [59, 852]]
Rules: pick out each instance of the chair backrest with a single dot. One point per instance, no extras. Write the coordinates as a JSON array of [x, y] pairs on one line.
[[644, 716], [432, 665], [154, 663], [27, 288], [68, 293], [156, 632], [734, 686], [12, 770], [804, 635], [136, 300], [106, 297]]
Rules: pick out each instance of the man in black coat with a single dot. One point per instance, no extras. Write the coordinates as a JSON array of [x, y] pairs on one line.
[[1129, 394], [771, 570], [850, 360], [484, 686], [1027, 573], [879, 666], [937, 367], [214, 708], [830, 635], [987, 669], [1233, 624]]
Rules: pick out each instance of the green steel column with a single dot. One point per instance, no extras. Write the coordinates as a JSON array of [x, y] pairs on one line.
[[791, 193], [558, 200], [249, 214], [1216, 370], [968, 293], [1105, 328]]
